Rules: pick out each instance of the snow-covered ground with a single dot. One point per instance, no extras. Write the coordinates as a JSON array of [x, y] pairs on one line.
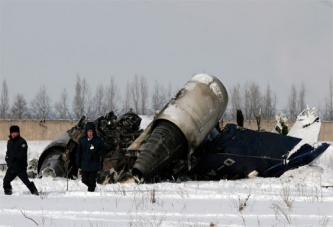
[[297, 198]]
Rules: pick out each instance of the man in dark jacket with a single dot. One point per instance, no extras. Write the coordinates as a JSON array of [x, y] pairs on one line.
[[89, 155], [16, 159]]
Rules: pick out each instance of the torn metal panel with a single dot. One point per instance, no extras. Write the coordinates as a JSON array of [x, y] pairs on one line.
[[182, 143]]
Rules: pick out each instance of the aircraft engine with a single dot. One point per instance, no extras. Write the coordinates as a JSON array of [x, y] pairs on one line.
[[182, 125]]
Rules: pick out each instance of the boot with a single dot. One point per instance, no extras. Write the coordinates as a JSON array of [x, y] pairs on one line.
[[8, 190], [91, 189], [33, 189]]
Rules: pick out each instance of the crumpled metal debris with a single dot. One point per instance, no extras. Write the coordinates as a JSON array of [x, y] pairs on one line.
[[118, 133]]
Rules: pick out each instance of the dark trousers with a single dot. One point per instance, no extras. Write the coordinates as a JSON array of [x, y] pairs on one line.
[[89, 179], [10, 176]]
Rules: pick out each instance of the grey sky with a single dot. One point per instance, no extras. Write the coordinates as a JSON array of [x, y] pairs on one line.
[[276, 42]]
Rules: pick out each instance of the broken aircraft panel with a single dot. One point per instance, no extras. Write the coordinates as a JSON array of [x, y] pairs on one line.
[[182, 143], [240, 153], [118, 132]]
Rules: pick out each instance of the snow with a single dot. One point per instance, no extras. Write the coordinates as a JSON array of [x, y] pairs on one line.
[[297, 198], [306, 127], [202, 78], [217, 90]]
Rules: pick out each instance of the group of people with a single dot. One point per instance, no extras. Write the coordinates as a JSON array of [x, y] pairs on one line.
[[89, 154]]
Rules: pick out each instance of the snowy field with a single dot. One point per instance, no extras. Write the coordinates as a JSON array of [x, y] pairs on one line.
[[297, 198]]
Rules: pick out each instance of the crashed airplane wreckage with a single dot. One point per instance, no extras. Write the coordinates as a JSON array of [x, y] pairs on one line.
[[184, 142]]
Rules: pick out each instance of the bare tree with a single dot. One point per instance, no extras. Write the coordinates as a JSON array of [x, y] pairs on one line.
[[236, 100], [252, 100], [301, 99], [255, 99], [90, 110], [61, 107], [4, 101], [268, 104], [155, 104], [328, 112], [159, 96], [144, 90], [113, 98], [19, 109], [135, 94], [246, 101], [100, 100], [292, 104], [126, 102], [169, 94], [97, 104], [80, 99], [41, 104]]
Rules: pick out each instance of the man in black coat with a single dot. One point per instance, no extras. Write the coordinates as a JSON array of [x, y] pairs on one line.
[[16, 159], [89, 155]]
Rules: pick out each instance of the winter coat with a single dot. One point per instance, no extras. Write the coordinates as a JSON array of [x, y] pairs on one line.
[[89, 153], [17, 154]]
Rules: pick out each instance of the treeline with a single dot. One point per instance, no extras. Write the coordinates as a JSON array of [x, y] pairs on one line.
[[143, 100], [254, 102]]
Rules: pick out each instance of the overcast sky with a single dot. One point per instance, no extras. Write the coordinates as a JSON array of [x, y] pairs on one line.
[[269, 42]]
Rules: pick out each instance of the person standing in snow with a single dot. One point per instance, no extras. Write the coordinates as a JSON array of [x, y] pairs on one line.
[[16, 159], [89, 155]]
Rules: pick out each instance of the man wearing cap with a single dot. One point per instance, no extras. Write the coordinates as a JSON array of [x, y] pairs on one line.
[[16, 159], [90, 151]]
